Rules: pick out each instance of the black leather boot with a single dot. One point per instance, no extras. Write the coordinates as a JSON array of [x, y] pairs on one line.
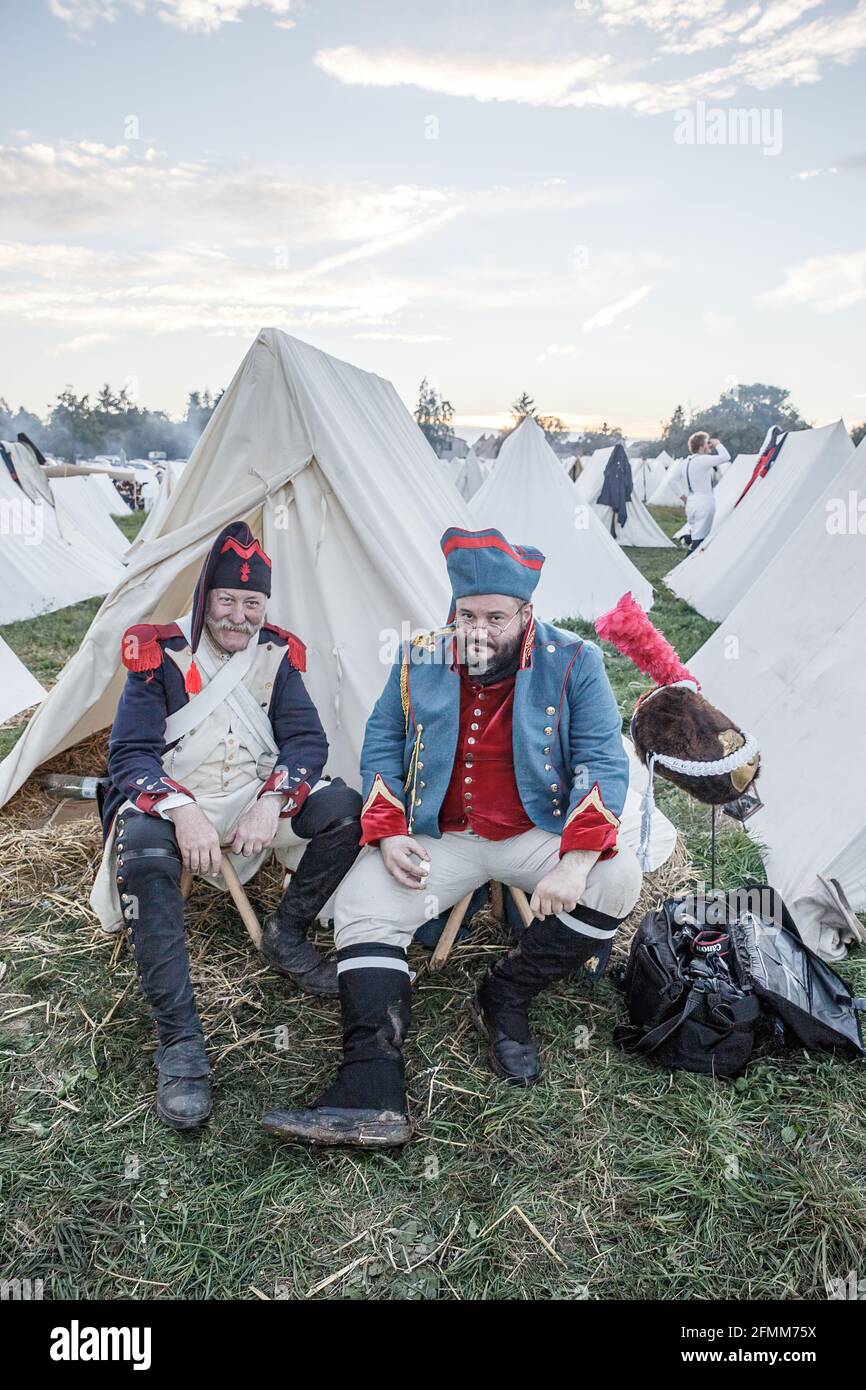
[[365, 1105], [183, 1098], [331, 818], [547, 951], [148, 879]]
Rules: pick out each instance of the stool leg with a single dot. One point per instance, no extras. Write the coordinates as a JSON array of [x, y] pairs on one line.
[[449, 932], [497, 901]]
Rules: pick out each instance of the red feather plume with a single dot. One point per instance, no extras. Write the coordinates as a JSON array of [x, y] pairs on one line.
[[629, 629]]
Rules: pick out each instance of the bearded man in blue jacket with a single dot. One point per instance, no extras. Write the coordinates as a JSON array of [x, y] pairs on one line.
[[493, 754]]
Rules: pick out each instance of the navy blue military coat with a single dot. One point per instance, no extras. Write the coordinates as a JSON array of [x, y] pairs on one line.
[[137, 743]]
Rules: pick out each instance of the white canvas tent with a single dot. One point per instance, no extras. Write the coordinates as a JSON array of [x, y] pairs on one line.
[[114, 504], [718, 574], [469, 476], [530, 499], [640, 527], [797, 685], [647, 473], [45, 567], [668, 490], [332, 473], [18, 689], [157, 505], [79, 504], [731, 485]]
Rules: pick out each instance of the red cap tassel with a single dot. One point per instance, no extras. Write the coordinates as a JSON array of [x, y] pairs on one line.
[[192, 679]]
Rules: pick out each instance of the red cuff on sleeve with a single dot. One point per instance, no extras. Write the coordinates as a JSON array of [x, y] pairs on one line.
[[147, 800], [590, 826], [294, 797], [295, 800], [382, 814]]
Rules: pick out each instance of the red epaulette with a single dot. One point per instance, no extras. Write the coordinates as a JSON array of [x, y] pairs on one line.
[[297, 651], [140, 649]]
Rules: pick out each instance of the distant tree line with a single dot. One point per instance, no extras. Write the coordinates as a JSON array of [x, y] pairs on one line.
[[740, 418], [77, 427]]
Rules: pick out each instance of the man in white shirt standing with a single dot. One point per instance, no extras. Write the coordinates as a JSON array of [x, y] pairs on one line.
[[699, 476]]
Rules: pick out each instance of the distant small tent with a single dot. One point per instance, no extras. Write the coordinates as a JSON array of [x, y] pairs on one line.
[[469, 476], [646, 473], [528, 497], [668, 490], [639, 526]]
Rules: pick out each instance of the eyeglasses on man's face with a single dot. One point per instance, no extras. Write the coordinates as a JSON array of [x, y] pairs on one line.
[[467, 623]]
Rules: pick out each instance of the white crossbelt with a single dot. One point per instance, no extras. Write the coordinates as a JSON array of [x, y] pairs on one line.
[[224, 685]]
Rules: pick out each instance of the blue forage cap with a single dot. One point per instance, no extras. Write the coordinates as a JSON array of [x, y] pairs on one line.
[[484, 562]]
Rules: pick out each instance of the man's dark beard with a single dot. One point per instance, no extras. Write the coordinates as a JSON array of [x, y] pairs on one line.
[[503, 663]]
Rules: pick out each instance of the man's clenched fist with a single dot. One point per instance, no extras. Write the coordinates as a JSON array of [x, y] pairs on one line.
[[397, 852]]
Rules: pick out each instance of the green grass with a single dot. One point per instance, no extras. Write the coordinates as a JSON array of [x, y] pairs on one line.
[[638, 1183]]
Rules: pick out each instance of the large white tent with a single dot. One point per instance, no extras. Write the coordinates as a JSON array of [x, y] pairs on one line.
[[529, 498], [18, 689], [797, 684], [717, 575], [640, 527], [333, 475]]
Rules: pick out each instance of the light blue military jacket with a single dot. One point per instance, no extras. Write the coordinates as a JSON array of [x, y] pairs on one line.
[[569, 758]]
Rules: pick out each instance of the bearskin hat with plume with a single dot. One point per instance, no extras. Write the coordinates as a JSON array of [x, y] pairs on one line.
[[674, 723]]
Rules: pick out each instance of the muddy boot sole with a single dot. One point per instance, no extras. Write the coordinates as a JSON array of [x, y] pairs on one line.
[[331, 1127]]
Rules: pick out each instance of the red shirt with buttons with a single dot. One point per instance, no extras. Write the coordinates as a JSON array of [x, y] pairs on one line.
[[482, 795]]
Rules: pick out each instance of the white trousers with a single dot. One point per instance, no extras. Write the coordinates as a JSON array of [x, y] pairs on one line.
[[371, 906], [700, 511]]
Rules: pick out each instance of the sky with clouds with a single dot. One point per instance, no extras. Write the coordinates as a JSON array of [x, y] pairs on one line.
[[614, 205]]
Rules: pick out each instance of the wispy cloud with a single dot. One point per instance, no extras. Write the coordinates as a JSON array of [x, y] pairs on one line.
[[825, 283], [767, 46], [84, 340], [238, 247], [484, 79], [602, 318], [406, 337], [194, 16], [559, 350]]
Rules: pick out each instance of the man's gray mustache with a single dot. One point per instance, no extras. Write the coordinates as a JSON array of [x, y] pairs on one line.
[[226, 625]]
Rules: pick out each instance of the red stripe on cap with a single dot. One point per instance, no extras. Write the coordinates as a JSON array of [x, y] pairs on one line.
[[245, 551], [488, 543]]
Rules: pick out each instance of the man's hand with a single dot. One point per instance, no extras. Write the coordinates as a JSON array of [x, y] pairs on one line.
[[197, 840], [397, 851], [562, 889], [257, 827]]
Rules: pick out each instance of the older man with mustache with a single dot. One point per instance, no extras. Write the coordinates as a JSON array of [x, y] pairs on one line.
[[216, 746]]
